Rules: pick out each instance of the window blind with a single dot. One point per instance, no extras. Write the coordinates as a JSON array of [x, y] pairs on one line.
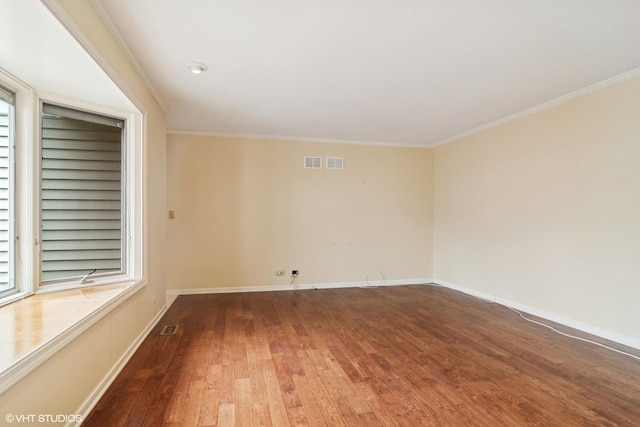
[[81, 194], [7, 96]]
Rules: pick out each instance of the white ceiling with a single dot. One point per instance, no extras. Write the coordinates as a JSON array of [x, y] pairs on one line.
[[388, 71]]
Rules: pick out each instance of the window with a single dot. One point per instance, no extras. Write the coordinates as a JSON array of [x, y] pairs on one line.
[[7, 126], [72, 199], [82, 204]]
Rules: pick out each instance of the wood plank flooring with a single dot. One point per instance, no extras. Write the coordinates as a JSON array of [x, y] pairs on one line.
[[388, 356]]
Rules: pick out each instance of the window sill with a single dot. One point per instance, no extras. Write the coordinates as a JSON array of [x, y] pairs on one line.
[[35, 328]]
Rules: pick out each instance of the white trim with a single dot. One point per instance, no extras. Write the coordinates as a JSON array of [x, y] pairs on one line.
[[56, 99], [137, 183], [136, 132], [172, 293], [14, 373], [26, 139], [544, 106], [13, 297], [293, 139], [134, 166], [584, 327], [74, 30], [108, 22], [92, 400], [67, 285], [477, 294]]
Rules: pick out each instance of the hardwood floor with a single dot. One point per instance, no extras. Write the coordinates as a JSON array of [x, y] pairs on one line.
[[408, 356]]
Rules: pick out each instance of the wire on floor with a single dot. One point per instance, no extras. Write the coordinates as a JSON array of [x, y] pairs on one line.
[[495, 301], [366, 279]]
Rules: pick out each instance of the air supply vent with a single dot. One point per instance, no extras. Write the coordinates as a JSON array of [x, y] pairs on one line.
[[169, 330], [335, 162], [312, 162]]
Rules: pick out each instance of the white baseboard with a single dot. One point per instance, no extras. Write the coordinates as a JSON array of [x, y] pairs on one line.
[[172, 294], [97, 393], [584, 327]]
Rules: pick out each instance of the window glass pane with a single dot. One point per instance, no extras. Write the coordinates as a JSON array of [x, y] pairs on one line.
[[81, 196], [6, 202]]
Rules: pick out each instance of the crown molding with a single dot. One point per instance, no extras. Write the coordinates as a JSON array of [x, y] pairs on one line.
[[108, 22], [544, 106], [293, 139]]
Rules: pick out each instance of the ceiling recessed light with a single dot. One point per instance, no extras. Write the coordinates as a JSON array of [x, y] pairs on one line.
[[197, 67]]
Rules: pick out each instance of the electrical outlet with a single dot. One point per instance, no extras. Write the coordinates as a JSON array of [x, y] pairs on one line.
[[279, 272], [294, 273]]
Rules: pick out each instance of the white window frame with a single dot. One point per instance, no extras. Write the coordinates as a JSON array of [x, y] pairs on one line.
[[133, 189], [26, 195], [11, 200], [22, 196]]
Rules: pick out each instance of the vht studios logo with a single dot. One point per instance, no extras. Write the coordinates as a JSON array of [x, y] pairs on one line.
[[43, 418]]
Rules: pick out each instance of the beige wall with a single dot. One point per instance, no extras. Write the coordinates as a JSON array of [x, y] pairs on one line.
[[545, 210], [245, 208], [62, 383]]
